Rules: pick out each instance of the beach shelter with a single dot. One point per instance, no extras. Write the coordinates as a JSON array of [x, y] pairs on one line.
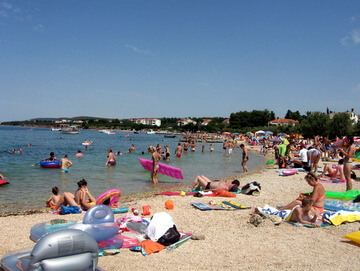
[[269, 133], [260, 132]]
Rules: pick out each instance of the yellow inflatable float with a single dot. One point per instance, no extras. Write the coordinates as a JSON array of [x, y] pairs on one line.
[[355, 236]]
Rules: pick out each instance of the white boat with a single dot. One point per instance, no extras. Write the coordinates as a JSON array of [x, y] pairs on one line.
[[108, 132], [55, 129], [70, 129], [150, 132]]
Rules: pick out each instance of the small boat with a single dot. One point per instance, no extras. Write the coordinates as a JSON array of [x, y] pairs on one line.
[[55, 129], [70, 129], [108, 132], [150, 132], [87, 143], [136, 133], [169, 136]]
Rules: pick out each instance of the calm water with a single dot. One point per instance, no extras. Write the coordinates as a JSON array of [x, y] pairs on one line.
[[31, 185]]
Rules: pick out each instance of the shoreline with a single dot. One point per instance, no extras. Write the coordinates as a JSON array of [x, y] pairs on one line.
[[125, 199]]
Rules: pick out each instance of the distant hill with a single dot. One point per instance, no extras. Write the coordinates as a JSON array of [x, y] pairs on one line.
[[73, 118]]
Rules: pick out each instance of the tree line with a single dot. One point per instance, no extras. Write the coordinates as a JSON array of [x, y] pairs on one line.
[[310, 124]]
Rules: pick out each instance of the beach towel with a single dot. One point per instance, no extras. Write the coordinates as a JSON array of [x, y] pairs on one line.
[[224, 193], [337, 218], [338, 205], [221, 205]]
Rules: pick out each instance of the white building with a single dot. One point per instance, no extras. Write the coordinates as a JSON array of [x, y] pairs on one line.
[[354, 118], [205, 122], [282, 122], [183, 122], [152, 122]]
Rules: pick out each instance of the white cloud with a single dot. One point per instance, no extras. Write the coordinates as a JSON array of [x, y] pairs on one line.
[[344, 40], [5, 5], [39, 28], [356, 89], [138, 50], [353, 19], [355, 36]]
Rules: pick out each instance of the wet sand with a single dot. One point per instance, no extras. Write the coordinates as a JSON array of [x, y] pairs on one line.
[[231, 243]]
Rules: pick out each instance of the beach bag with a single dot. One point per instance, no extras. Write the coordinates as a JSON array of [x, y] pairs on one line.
[[170, 237], [252, 188], [69, 210]]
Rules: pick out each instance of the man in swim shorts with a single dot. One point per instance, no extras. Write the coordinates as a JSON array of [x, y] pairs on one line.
[[245, 158], [178, 150]]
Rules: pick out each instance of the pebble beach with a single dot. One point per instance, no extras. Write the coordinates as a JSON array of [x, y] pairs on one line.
[[231, 242]]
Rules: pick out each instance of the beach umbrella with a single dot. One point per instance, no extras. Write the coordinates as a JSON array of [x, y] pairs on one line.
[[260, 132], [338, 144], [275, 139], [282, 134], [269, 133]]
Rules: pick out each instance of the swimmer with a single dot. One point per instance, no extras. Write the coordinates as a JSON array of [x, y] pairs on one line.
[[119, 153], [65, 164], [52, 157], [79, 154], [131, 149]]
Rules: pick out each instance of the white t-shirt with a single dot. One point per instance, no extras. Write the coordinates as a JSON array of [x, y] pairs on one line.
[[303, 155]]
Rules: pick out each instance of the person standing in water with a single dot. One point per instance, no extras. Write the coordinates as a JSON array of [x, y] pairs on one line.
[[155, 156], [245, 158], [111, 160], [65, 164], [178, 150]]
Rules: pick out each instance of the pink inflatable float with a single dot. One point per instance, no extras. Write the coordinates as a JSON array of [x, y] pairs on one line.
[[163, 169]]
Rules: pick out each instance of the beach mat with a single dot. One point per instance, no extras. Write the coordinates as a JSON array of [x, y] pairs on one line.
[[188, 193], [221, 205]]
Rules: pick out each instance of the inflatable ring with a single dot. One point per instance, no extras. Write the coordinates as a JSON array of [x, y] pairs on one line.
[[112, 194], [50, 164]]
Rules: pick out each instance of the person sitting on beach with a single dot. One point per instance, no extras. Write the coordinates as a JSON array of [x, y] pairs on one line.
[[65, 164], [79, 154], [303, 214], [335, 173], [209, 185], [82, 198], [53, 199], [317, 195], [111, 160], [52, 157]]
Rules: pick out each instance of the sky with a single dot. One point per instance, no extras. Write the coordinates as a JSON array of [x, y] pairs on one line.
[[177, 58]]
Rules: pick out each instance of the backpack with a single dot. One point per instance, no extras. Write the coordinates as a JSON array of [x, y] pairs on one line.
[[250, 188]]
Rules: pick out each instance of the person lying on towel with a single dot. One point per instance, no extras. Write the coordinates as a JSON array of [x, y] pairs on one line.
[[209, 185]]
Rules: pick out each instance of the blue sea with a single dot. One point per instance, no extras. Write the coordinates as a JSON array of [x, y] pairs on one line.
[[30, 184]]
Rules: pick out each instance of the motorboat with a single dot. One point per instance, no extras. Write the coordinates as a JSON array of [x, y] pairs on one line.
[[55, 129], [151, 132], [70, 129], [108, 132]]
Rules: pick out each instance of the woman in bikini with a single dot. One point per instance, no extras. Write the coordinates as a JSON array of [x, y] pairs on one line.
[[155, 156], [317, 195], [348, 153]]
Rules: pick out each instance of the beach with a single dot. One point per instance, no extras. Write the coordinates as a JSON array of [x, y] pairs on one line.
[[231, 243]]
